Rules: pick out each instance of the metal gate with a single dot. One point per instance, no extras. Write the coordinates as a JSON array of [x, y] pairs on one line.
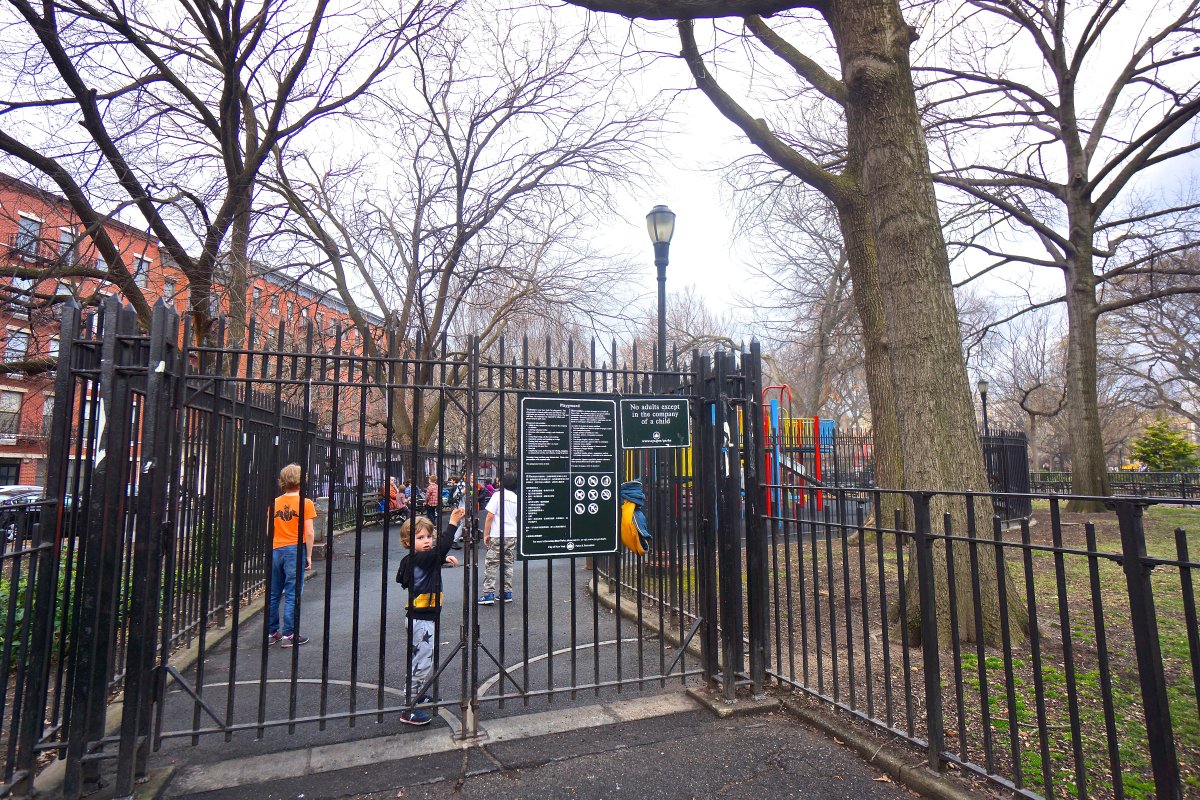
[[164, 458]]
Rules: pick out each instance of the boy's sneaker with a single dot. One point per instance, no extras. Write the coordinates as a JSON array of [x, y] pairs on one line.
[[426, 699], [273, 638], [415, 717], [508, 597], [293, 641], [488, 599]]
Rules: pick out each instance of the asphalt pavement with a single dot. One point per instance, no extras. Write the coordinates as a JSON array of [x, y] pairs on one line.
[[687, 754]]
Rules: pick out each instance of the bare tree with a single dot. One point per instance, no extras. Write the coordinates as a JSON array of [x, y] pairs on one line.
[[1059, 156], [1024, 365], [474, 217], [802, 297], [1159, 344], [174, 110], [884, 194]]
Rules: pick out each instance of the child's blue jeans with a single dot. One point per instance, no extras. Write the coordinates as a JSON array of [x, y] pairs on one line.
[[285, 580]]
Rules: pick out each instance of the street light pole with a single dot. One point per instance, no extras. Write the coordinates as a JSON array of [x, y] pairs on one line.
[[982, 386], [660, 222]]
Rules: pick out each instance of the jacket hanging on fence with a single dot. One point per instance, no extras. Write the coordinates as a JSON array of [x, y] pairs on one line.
[[635, 532]]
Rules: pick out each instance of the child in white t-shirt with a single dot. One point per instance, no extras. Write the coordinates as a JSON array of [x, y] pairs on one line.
[[500, 539]]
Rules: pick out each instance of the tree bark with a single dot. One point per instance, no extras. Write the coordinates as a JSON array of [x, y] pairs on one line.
[[239, 269], [854, 221], [1089, 471], [939, 441]]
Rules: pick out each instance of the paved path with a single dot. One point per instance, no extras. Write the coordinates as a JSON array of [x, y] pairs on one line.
[[686, 754]]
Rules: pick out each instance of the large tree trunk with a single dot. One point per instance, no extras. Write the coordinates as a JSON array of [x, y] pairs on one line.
[[1089, 471], [855, 223], [239, 269], [939, 441], [1031, 439]]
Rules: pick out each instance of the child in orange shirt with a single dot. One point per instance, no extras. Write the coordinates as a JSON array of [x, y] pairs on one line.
[[288, 563]]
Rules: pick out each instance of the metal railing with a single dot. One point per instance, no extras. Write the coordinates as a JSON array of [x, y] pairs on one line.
[[1126, 482]]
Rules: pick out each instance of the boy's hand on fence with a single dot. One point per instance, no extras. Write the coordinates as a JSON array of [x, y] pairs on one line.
[[456, 516], [452, 561]]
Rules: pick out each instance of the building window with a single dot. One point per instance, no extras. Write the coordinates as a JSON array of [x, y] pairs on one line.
[[29, 232], [67, 246], [141, 271], [52, 347], [169, 290], [257, 295], [47, 414], [10, 415], [274, 304], [17, 346]]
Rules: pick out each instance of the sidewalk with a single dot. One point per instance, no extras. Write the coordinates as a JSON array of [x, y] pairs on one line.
[[675, 750]]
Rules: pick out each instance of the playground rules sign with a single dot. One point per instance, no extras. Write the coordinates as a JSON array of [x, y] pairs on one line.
[[568, 492]]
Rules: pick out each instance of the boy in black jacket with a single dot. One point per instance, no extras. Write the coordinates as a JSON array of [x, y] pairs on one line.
[[421, 573]]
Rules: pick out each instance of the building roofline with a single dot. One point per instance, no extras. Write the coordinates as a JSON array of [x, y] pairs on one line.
[[308, 291], [61, 202]]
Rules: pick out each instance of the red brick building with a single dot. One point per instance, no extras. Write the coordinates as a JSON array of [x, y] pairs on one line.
[[41, 243]]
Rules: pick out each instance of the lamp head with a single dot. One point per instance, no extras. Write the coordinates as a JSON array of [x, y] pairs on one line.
[[660, 222], [982, 386]]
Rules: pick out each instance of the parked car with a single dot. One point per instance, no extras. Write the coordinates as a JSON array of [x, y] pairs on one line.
[[15, 500]]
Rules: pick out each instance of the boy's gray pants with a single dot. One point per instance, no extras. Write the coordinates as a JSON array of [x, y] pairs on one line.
[[423, 643], [491, 563]]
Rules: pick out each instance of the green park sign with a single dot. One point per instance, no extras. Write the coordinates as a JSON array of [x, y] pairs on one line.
[[655, 422]]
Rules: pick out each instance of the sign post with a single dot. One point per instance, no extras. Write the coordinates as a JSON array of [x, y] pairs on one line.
[[569, 482]]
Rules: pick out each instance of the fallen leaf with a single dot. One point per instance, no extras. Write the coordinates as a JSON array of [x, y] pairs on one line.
[[883, 779], [839, 741]]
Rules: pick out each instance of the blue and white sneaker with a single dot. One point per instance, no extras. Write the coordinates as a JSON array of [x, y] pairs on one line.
[[508, 597], [415, 717], [488, 599]]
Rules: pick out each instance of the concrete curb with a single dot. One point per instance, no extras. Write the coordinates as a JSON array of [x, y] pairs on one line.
[[884, 755], [628, 609]]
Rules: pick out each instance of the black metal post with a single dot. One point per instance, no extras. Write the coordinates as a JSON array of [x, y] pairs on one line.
[[661, 250], [1163, 758], [729, 544], [705, 509], [930, 654], [983, 402], [757, 572]]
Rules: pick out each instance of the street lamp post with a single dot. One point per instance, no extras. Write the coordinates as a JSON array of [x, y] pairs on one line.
[[660, 222], [982, 386]]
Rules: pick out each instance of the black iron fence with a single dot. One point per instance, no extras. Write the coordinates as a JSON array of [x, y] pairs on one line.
[[836, 459], [164, 458], [1057, 657], [1052, 653], [1126, 482]]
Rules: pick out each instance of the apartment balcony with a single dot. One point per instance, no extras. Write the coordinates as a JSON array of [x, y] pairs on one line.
[[27, 248]]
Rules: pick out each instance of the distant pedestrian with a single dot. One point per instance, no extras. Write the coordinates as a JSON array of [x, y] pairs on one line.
[[432, 498], [500, 538], [421, 573], [288, 560]]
